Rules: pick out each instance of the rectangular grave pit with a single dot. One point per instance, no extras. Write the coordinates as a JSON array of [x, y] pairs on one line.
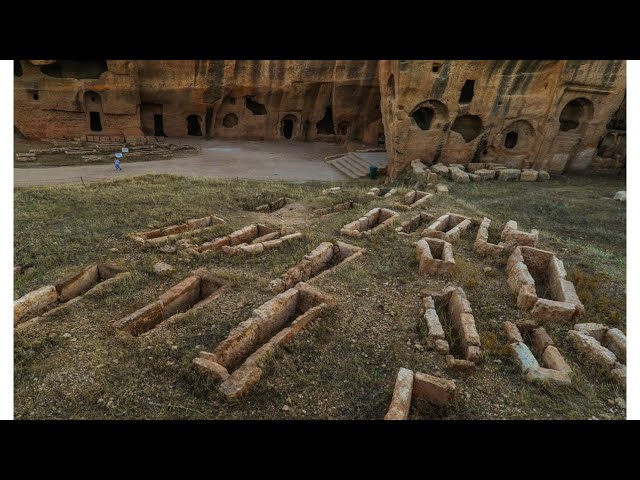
[[238, 360], [47, 300], [532, 272], [252, 239], [275, 205], [164, 234], [482, 246], [325, 258], [453, 304], [603, 347], [523, 342], [373, 221], [415, 199], [338, 207], [435, 256], [448, 227], [513, 236], [191, 294], [410, 386], [412, 225]]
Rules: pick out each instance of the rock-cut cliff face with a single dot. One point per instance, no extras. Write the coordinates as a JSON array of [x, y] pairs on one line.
[[556, 115]]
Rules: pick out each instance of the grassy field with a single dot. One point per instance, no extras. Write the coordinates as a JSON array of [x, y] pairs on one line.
[[343, 366]]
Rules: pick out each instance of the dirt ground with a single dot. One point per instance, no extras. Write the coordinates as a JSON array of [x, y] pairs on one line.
[[75, 364], [285, 161]]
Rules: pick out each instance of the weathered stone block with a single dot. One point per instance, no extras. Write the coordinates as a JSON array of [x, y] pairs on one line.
[[554, 360], [34, 303], [553, 311], [616, 341], [402, 394], [547, 375], [512, 332], [595, 330], [435, 390], [591, 349], [523, 356], [540, 340]]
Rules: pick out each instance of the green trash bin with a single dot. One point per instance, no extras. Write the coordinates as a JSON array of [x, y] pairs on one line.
[[373, 172]]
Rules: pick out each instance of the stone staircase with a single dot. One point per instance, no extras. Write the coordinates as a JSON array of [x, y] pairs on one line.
[[353, 165]]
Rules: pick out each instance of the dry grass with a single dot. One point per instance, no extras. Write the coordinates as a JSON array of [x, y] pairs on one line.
[[344, 364]]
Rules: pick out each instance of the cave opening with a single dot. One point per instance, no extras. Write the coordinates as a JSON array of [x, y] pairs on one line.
[[423, 117], [606, 146], [325, 125], [255, 107], [94, 122], [511, 139], [230, 120], [469, 126], [391, 84], [287, 128], [158, 125], [572, 114], [17, 68], [466, 94], [193, 126]]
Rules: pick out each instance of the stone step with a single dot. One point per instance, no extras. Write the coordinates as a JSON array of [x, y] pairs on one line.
[[362, 162], [356, 165], [343, 168]]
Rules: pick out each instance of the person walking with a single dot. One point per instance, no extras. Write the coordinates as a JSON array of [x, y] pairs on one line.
[[117, 165]]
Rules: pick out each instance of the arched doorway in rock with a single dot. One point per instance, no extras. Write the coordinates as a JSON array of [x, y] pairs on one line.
[[93, 108], [193, 125], [287, 126], [430, 114], [574, 113]]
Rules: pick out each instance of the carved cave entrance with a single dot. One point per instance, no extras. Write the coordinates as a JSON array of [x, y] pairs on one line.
[[287, 125], [193, 126]]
